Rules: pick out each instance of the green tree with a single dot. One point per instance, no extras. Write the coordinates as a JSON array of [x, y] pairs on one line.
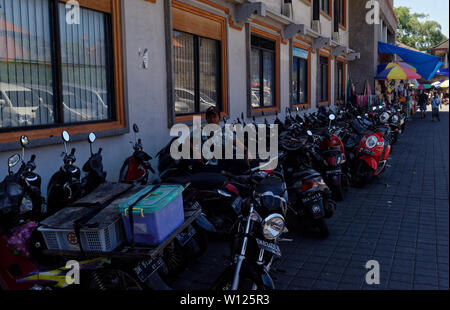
[[421, 35]]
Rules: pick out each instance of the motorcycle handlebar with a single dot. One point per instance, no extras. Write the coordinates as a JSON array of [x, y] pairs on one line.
[[72, 152]]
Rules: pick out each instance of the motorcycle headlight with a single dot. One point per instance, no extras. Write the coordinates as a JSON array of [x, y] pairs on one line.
[[371, 142], [273, 226], [26, 206], [395, 118], [384, 117]]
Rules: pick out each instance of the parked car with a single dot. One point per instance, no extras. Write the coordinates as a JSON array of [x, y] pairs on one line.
[[185, 101]]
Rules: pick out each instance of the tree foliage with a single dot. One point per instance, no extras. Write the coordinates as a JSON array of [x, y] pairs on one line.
[[414, 32]]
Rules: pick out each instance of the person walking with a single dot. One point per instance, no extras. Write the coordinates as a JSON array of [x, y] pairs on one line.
[[435, 105], [423, 104]]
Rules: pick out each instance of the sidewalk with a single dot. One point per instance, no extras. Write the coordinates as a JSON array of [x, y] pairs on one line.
[[401, 220]]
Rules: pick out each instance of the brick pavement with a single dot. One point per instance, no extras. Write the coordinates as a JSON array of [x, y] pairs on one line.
[[401, 220]]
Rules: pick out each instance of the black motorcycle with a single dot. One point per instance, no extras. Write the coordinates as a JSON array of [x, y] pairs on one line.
[[20, 192], [310, 197], [255, 244], [66, 186], [93, 169]]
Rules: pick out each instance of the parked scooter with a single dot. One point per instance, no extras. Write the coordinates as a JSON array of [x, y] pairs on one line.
[[21, 205], [371, 157], [65, 186], [136, 168], [332, 152], [20, 192], [93, 168]]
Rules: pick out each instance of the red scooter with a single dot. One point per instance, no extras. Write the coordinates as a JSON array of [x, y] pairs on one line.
[[332, 151], [371, 156]]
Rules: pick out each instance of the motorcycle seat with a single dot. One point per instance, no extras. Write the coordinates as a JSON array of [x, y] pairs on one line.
[[271, 184], [307, 174], [202, 180]]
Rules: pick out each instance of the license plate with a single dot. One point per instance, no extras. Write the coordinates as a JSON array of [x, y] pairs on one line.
[[146, 268], [269, 246], [184, 237], [334, 171], [312, 198], [317, 210]]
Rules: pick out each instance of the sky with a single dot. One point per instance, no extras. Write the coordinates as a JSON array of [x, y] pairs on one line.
[[437, 9]]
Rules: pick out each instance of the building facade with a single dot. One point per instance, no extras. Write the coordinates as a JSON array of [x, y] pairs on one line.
[[112, 63], [364, 37]]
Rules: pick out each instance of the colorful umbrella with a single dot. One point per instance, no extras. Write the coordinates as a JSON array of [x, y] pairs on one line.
[[437, 83], [398, 71], [422, 86], [444, 84]]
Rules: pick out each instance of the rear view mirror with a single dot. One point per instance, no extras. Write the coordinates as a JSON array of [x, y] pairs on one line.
[[24, 141], [332, 117], [92, 137], [135, 128], [309, 133], [65, 136], [13, 160], [358, 117]]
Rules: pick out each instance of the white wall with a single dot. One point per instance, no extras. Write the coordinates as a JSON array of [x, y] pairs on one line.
[[146, 90]]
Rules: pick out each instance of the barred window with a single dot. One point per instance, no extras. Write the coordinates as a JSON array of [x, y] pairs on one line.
[[52, 72], [196, 73]]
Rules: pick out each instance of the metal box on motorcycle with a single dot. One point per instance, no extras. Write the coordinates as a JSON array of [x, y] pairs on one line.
[[155, 216]]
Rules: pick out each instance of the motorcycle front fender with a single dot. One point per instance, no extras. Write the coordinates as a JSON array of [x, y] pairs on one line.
[[267, 280], [370, 161], [257, 275], [204, 223]]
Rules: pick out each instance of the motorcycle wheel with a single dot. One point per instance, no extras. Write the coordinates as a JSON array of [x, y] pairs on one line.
[[113, 279], [363, 174], [175, 258], [201, 238], [338, 193], [323, 228], [225, 281]]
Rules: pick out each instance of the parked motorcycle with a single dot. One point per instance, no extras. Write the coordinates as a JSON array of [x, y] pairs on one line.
[[371, 156], [136, 168], [255, 244], [65, 186], [93, 168]]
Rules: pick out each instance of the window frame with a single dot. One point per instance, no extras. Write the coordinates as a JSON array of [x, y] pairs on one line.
[[265, 35], [343, 62], [111, 7], [343, 23], [219, 77], [328, 56], [213, 27], [330, 9], [308, 82]]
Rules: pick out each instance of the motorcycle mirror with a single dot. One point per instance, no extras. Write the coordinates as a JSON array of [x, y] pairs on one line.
[[24, 141], [358, 117], [135, 128], [374, 108], [92, 137], [366, 114], [309, 133], [332, 117], [297, 109], [65, 136], [13, 160]]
